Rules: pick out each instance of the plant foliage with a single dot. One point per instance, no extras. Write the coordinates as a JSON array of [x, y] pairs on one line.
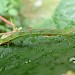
[[48, 53]]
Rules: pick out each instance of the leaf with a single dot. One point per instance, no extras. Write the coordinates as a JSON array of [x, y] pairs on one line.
[[3, 4], [13, 12], [64, 16], [38, 55]]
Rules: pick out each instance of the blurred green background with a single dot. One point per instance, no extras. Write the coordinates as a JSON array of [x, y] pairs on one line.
[[38, 14], [29, 14]]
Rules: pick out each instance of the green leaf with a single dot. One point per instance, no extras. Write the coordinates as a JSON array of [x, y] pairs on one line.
[[65, 14], [38, 55], [12, 12], [3, 4]]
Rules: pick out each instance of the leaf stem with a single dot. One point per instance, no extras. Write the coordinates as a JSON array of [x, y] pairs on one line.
[[6, 21]]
